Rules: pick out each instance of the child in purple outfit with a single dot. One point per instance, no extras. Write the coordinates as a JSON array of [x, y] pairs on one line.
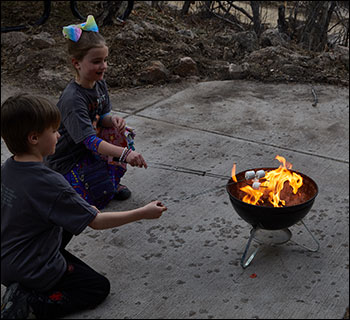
[[93, 151]]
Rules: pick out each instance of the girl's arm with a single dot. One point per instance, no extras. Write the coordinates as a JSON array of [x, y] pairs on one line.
[[109, 149], [98, 145], [107, 220], [134, 158]]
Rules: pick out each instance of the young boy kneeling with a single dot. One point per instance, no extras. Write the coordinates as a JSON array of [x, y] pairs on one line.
[[39, 213]]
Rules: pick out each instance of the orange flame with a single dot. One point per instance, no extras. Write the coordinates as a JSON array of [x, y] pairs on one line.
[[233, 173], [273, 185], [252, 196]]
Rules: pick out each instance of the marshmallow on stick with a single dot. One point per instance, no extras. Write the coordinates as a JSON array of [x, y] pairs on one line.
[[260, 174], [254, 175], [256, 185], [249, 175]]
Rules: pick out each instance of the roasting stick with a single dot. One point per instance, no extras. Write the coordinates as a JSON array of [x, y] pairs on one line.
[[190, 171], [185, 170], [248, 176]]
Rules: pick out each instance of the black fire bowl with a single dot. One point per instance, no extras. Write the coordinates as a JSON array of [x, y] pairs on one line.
[[272, 218]]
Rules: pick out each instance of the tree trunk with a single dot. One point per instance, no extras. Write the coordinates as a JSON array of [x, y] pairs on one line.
[[282, 25], [314, 35], [109, 13], [256, 16], [186, 7]]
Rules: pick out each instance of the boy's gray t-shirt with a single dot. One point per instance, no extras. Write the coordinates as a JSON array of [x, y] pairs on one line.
[[37, 203], [81, 109]]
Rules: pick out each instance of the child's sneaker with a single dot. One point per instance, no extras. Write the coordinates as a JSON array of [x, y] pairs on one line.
[[122, 193], [14, 303]]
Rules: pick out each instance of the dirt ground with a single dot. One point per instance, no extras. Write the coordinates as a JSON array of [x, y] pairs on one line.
[[151, 35]]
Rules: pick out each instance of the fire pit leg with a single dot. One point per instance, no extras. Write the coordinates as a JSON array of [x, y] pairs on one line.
[[307, 248], [245, 264]]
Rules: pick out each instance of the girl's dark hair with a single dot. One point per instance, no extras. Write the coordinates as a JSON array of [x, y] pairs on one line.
[[22, 114], [87, 41]]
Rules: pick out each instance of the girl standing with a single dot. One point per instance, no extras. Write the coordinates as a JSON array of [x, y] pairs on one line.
[[93, 150]]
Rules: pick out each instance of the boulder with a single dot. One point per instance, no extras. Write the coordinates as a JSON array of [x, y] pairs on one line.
[[236, 72], [245, 42], [186, 67], [272, 37], [12, 39], [42, 40], [154, 72]]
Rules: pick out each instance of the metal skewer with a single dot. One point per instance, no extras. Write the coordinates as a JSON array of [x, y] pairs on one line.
[[197, 172], [185, 170]]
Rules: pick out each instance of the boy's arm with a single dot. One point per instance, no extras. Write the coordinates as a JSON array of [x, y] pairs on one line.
[[107, 220]]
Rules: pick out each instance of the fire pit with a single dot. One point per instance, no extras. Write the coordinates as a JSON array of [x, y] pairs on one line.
[[271, 218]]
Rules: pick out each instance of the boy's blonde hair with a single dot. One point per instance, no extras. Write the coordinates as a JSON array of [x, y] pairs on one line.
[[22, 114]]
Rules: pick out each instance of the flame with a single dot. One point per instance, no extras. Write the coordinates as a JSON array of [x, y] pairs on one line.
[[252, 196], [273, 185], [233, 173]]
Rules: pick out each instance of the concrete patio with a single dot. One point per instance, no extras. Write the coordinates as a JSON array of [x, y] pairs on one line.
[[186, 265]]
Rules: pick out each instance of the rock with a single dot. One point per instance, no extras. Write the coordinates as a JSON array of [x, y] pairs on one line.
[[292, 70], [42, 40], [136, 27], [159, 34], [187, 33], [21, 59], [343, 54], [153, 27], [272, 37], [186, 67], [245, 42], [12, 39], [230, 71], [236, 72], [228, 54], [175, 78], [341, 50], [26, 59], [279, 55], [223, 40], [162, 52], [154, 72], [128, 35], [219, 66], [55, 79]]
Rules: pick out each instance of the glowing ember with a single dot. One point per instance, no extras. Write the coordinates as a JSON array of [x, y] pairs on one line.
[[272, 185]]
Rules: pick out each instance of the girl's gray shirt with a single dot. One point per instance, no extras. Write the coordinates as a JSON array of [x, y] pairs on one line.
[[37, 203], [80, 109]]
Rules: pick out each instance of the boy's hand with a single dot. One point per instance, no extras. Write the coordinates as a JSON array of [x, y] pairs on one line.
[[136, 160], [118, 123], [98, 211], [153, 210]]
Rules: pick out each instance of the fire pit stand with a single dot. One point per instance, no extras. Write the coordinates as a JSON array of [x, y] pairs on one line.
[[272, 237]]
